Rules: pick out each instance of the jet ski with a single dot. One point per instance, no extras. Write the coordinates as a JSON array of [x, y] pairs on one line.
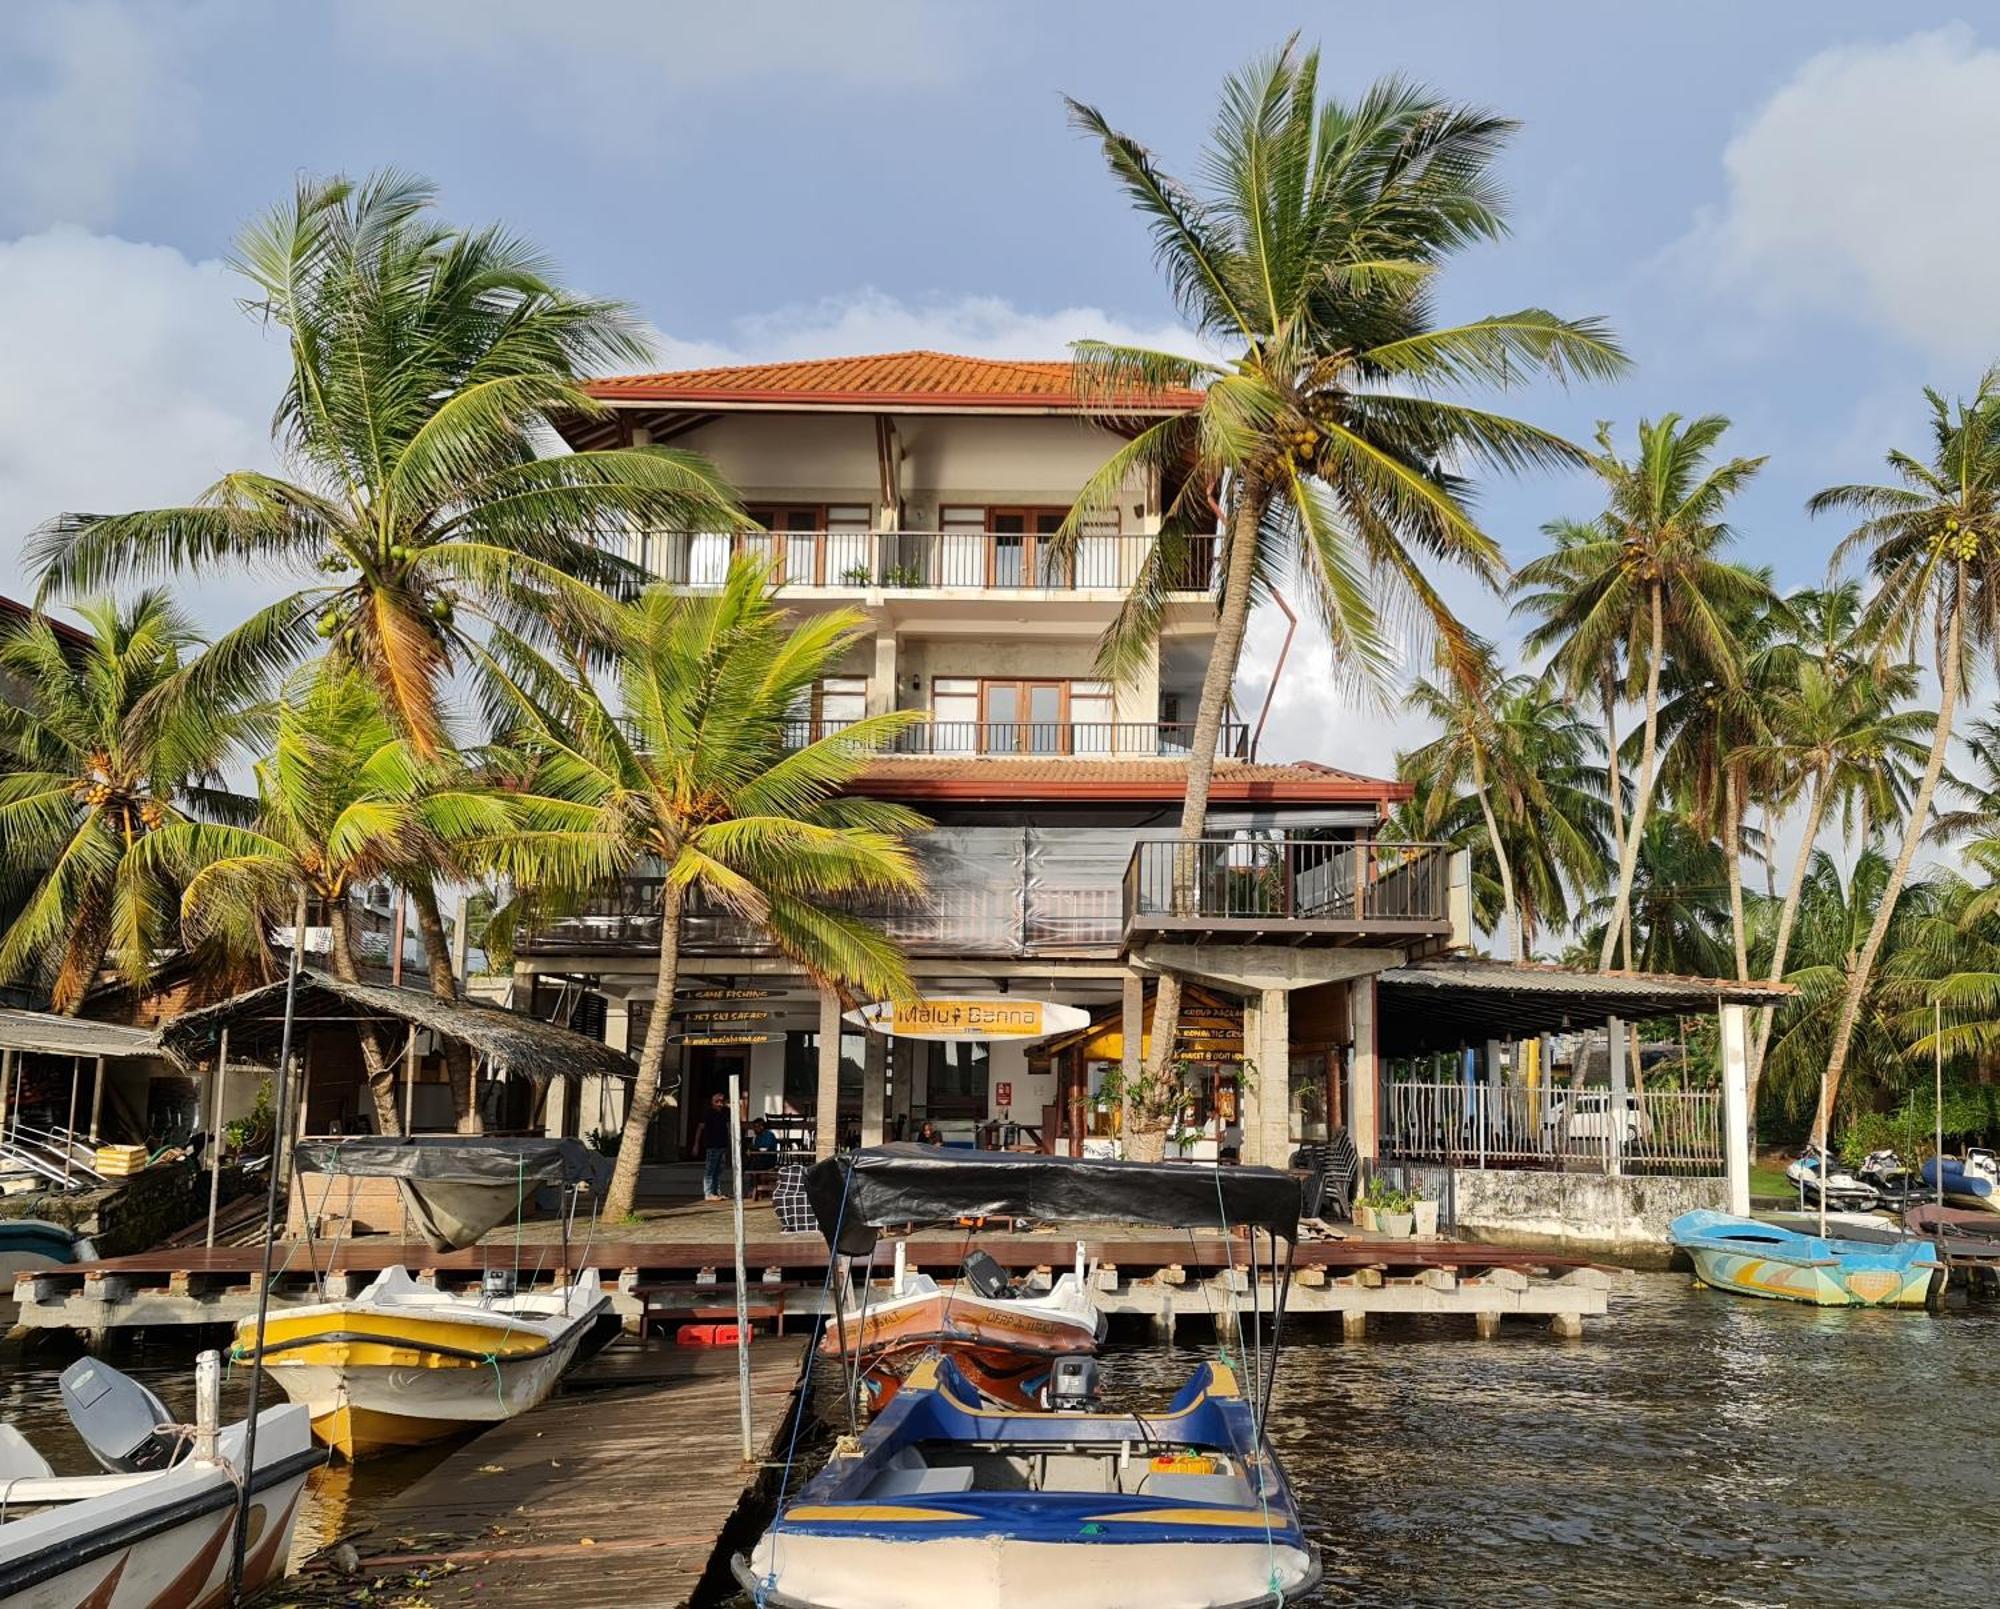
[[1895, 1185], [1816, 1174]]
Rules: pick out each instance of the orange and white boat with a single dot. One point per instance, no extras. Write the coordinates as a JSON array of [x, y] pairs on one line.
[[1002, 1339]]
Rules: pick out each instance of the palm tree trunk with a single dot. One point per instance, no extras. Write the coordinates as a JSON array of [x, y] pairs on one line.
[[374, 1054], [1160, 1095], [1614, 775], [645, 1099], [1781, 943], [444, 985], [1510, 911], [1913, 835], [1732, 852], [1642, 800]]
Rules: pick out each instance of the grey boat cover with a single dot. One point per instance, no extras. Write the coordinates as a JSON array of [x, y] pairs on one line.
[[854, 1196], [456, 1186]]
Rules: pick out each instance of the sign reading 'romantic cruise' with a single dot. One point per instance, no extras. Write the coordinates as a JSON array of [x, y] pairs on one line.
[[999, 1017]]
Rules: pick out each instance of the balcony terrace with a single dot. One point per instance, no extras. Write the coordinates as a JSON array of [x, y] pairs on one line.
[[1094, 740], [921, 561], [1289, 891]]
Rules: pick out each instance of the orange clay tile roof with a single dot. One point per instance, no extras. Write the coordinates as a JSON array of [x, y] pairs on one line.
[[973, 778], [911, 379]]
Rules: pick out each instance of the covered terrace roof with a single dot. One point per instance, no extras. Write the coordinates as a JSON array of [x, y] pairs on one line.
[[1444, 1003], [508, 1041], [44, 1033]]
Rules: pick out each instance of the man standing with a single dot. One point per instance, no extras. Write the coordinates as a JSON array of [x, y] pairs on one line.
[[714, 1142]]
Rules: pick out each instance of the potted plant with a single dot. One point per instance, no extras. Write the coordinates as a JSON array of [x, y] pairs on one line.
[[1384, 1209], [1425, 1213], [856, 575]]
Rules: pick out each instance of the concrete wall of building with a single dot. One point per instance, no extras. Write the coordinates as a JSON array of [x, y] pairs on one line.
[[831, 458], [1624, 1217]]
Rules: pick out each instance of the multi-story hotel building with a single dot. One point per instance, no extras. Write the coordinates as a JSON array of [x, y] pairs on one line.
[[921, 490]]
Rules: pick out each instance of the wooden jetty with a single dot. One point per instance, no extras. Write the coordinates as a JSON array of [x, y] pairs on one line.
[[1142, 1276], [612, 1492]]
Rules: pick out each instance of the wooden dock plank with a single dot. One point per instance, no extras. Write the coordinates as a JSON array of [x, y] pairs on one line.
[[599, 1495]]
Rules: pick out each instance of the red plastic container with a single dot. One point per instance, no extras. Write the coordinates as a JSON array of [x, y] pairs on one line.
[[705, 1335]]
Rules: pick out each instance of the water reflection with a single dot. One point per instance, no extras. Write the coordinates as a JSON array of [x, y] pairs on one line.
[[1694, 1449]]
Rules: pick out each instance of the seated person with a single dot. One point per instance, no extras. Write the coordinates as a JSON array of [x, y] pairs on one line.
[[762, 1136], [928, 1134]]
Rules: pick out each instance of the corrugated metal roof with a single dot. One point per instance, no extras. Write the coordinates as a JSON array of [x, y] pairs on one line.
[[934, 379], [47, 1034]]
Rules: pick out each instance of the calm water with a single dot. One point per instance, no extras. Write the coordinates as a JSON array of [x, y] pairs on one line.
[[1694, 1449]]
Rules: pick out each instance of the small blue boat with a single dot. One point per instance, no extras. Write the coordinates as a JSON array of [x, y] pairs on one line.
[[1749, 1258], [1968, 1180], [943, 1500]]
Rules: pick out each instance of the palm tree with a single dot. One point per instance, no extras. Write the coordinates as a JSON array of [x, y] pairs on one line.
[[1643, 579], [1678, 901], [1310, 254], [342, 800], [1834, 916], [1933, 546], [1838, 734], [108, 746], [427, 364], [690, 773]]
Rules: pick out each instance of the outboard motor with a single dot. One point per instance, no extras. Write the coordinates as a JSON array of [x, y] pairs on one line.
[[984, 1273], [1072, 1386], [498, 1284], [118, 1418]]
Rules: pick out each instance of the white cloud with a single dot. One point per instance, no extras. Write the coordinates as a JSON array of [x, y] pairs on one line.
[[1862, 188], [870, 321], [93, 95], [129, 378]]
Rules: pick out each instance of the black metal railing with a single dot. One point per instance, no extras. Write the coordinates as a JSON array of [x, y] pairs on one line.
[[1080, 739], [1175, 882], [920, 560]]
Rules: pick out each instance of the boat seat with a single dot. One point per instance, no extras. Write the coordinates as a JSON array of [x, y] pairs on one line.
[[1227, 1489], [18, 1459], [923, 1482]]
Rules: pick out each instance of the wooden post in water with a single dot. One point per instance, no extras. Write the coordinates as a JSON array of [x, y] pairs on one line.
[[215, 1135], [742, 1271], [1937, 1096]]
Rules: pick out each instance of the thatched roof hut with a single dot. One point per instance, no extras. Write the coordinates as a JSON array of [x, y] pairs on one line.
[[507, 1042]]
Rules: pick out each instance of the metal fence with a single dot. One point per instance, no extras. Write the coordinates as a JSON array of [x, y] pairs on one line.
[[1477, 1125], [1296, 879], [977, 560]]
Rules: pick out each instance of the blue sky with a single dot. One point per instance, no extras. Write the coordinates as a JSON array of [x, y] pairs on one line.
[[1785, 209]]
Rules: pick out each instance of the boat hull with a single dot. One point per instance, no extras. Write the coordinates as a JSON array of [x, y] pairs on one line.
[[1749, 1257], [167, 1541], [379, 1377], [1004, 1573]]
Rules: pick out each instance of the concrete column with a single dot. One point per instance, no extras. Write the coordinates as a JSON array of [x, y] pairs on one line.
[[1274, 1076], [1364, 1119], [874, 1088], [1736, 1107], [1250, 1091], [1132, 1019], [826, 1111], [1614, 1118], [883, 693], [555, 1105]]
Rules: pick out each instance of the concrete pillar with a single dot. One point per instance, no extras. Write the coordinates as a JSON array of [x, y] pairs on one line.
[[1132, 1020], [1364, 1107], [1274, 1076], [1250, 1089], [555, 1106], [1736, 1106], [826, 1110], [883, 693], [874, 1088], [1614, 1118]]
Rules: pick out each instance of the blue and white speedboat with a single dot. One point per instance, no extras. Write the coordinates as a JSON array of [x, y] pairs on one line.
[[1750, 1258], [1972, 1180], [945, 1500]]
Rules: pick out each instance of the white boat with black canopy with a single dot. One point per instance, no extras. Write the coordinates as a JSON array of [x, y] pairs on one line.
[[400, 1362], [1085, 1506]]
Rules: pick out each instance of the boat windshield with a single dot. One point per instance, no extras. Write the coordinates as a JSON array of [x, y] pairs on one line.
[[1180, 1473]]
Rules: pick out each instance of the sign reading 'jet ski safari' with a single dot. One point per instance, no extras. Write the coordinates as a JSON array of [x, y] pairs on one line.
[[997, 1017]]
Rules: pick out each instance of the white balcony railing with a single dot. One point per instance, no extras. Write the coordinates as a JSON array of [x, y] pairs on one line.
[[918, 560], [1554, 1126]]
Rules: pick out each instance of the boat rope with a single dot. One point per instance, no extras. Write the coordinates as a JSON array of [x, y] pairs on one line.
[[769, 1584], [1258, 1455]]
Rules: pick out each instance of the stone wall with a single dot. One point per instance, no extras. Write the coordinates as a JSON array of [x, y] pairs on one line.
[[124, 1218], [1625, 1218]]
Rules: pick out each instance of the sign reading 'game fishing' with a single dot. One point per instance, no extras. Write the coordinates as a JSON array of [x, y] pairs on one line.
[[999, 1017]]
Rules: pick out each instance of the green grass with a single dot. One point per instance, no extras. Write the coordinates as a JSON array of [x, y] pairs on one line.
[[1768, 1179]]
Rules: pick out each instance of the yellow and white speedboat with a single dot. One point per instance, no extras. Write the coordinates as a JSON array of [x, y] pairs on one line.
[[402, 1363]]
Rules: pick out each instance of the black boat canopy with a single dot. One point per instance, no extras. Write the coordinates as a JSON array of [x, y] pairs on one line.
[[854, 1196], [459, 1159]]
